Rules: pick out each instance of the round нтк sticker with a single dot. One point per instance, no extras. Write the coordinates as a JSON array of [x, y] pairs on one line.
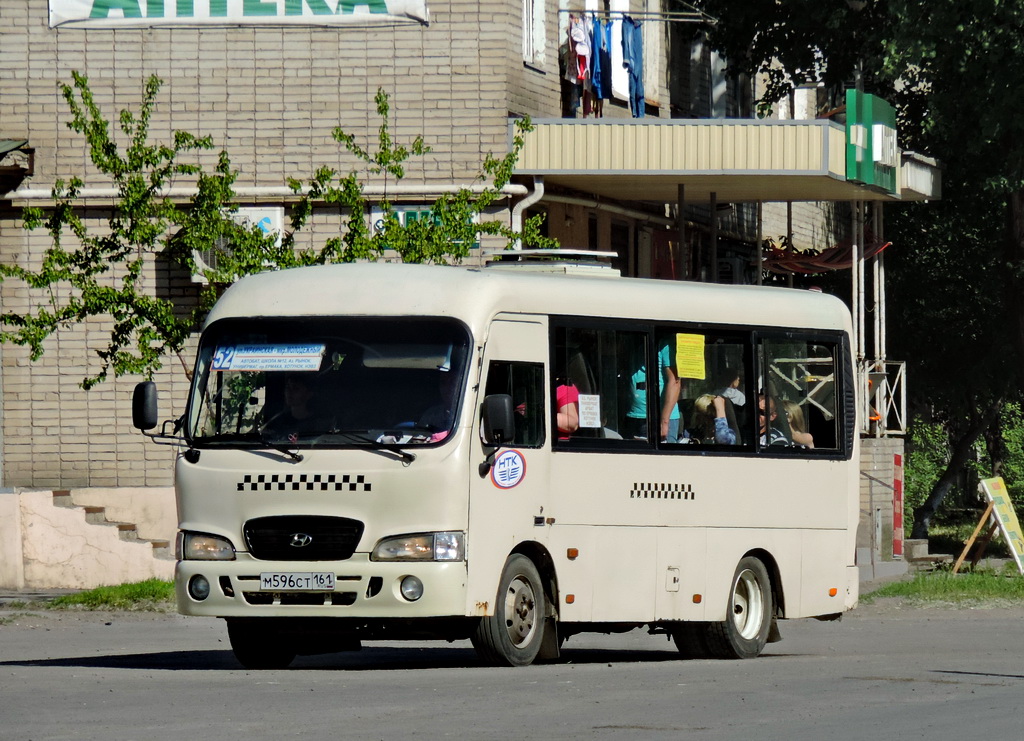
[[509, 469]]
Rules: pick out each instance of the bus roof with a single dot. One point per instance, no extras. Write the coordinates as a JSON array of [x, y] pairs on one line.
[[474, 295]]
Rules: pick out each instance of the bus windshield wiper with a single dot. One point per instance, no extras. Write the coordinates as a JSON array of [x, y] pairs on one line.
[[363, 439], [250, 437], [293, 454]]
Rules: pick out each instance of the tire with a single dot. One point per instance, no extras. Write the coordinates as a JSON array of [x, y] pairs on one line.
[[513, 635], [258, 649], [744, 633], [691, 640]]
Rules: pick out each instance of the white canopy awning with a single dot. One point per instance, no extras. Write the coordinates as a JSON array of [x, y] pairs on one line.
[[739, 160]]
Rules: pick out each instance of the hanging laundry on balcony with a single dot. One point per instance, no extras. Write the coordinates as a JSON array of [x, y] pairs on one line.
[[633, 61]]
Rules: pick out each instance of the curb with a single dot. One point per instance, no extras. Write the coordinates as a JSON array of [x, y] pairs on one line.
[[32, 595]]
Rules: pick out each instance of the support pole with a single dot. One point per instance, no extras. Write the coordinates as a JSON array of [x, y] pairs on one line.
[[861, 280], [881, 393], [760, 242], [854, 282], [789, 236], [876, 296], [714, 237], [883, 350], [684, 250]]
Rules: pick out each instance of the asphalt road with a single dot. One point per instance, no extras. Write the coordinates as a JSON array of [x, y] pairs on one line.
[[884, 671]]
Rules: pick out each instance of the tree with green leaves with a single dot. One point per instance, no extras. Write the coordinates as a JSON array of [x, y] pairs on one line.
[[456, 219], [89, 272], [956, 271]]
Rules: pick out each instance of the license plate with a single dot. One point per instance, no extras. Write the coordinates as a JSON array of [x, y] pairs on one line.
[[297, 581]]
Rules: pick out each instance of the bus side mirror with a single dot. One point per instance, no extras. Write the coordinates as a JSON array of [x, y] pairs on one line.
[[144, 406], [498, 419]]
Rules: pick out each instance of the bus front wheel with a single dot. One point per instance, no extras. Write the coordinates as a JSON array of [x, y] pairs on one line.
[[748, 621], [513, 635]]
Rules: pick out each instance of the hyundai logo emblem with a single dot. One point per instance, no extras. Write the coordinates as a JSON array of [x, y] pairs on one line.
[[300, 540]]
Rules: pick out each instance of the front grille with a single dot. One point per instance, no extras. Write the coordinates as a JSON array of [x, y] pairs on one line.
[[325, 538], [303, 599]]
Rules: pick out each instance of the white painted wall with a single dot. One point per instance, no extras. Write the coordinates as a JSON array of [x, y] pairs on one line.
[[151, 508], [43, 546]]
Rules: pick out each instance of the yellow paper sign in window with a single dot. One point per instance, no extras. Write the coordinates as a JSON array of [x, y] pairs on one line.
[[690, 356]]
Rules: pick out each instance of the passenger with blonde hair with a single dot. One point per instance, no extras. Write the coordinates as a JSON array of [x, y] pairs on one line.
[[710, 422], [797, 424]]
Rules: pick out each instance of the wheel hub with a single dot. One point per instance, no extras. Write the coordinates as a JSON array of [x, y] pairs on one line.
[[747, 605], [520, 612]]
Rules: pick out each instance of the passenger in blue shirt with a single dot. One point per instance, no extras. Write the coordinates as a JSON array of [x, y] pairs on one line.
[[668, 387]]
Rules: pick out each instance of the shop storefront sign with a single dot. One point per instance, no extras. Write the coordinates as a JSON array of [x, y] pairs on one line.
[[872, 155], [128, 13]]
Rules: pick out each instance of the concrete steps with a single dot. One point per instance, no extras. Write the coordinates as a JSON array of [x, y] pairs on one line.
[[85, 538], [126, 531], [920, 560]]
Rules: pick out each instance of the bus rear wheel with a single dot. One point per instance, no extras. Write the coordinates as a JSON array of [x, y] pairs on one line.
[[513, 635], [258, 649], [748, 621], [691, 640]]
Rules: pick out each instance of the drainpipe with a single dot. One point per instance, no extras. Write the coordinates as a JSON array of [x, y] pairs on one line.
[[612, 209], [517, 210]]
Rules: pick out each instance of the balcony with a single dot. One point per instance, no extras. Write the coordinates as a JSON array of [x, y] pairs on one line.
[[739, 160]]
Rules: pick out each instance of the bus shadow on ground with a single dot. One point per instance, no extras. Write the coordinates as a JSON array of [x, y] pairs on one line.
[[368, 659]]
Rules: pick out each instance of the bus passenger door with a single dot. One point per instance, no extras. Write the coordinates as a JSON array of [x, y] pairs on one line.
[[507, 498]]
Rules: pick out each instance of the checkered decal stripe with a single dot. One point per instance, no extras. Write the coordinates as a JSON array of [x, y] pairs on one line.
[[662, 491], [303, 482]]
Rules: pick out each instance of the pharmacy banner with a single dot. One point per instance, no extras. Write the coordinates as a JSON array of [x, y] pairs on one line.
[[136, 13]]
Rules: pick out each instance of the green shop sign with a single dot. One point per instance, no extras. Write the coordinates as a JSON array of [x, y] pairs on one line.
[[407, 215], [127, 13], [871, 152]]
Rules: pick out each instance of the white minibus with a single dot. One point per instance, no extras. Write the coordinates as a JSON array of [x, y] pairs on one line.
[[513, 455]]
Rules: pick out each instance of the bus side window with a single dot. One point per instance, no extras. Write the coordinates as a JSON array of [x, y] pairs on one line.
[[524, 382], [801, 379], [606, 368], [714, 392]]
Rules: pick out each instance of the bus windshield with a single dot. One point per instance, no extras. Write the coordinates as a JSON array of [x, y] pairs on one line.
[[337, 382]]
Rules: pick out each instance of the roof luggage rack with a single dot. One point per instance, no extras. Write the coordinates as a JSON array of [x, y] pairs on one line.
[[565, 261]]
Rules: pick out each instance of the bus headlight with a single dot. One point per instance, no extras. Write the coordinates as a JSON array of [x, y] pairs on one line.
[[204, 547], [446, 546]]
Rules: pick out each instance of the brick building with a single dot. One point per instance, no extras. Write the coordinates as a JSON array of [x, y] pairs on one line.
[[685, 192]]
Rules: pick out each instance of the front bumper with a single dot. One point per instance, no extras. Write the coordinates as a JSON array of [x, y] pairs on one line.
[[363, 589]]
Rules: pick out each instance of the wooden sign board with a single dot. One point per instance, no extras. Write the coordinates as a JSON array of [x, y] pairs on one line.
[[1006, 518]]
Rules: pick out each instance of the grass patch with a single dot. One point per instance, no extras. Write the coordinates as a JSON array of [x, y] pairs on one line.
[[152, 594], [971, 589]]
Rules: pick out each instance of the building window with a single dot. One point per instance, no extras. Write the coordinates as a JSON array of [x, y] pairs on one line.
[[533, 32]]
